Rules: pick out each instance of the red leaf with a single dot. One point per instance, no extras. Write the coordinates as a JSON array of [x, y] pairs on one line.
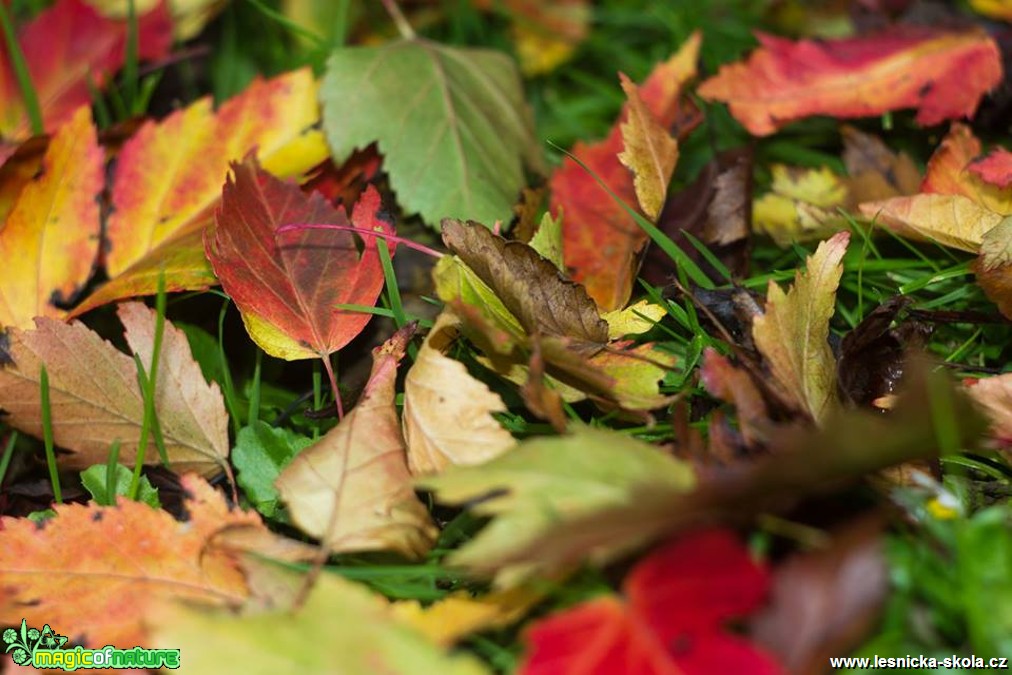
[[64, 47], [942, 73], [600, 239], [995, 169], [670, 623], [287, 286]]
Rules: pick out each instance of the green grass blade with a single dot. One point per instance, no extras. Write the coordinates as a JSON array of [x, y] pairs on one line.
[[149, 386], [47, 435], [5, 461], [21, 74]]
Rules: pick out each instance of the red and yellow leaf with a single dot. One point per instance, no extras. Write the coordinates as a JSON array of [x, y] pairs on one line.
[[169, 175], [66, 47], [600, 239], [288, 285], [941, 73], [49, 241], [951, 171], [995, 168], [99, 569]]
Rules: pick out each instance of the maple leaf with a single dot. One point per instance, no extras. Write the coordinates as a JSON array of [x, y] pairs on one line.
[[68, 48], [465, 114], [447, 417], [670, 621], [793, 333], [76, 570], [49, 240], [600, 239], [650, 152], [352, 489], [944, 74], [543, 484], [371, 638], [287, 285], [94, 388], [168, 179]]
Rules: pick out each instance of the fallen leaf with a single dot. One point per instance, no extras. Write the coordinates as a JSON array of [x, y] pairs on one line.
[[670, 621], [993, 395], [793, 333], [942, 73], [545, 34], [996, 9], [995, 168], [600, 239], [466, 114], [288, 285], [260, 453], [458, 615], [529, 286], [76, 570], [168, 177], [824, 602], [874, 171], [734, 385], [801, 205], [68, 48], [635, 319], [188, 16], [543, 484], [951, 172], [950, 220], [547, 240], [49, 241], [649, 152], [93, 386], [447, 417], [352, 489], [993, 268], [371, 639]]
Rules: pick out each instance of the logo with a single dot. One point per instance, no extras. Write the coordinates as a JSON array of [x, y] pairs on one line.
[[45, 649]]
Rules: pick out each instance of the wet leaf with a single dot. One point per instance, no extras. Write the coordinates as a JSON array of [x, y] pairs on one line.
[[943, 74], [352, 489], [793, 333], [466, 114]]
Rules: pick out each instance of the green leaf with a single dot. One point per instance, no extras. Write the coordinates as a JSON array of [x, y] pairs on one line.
[[95, 479], [452, 124], [260, 453], [543, 485]]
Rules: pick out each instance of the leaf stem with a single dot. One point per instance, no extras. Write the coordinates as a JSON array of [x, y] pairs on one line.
[[328, 366], [403, 27], [422, 248]]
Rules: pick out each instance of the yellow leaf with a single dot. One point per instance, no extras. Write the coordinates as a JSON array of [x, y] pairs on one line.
[[49, 241], [447, 412], [950, 220], [996, 9], [188, 16], [801, 205], [458, 615], [994, 266], [351, 489], [650, 152], [633, 320], [792, 334]]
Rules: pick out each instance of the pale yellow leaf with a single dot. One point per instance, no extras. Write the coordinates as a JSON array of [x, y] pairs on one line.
[[650, 152], [951, 220]]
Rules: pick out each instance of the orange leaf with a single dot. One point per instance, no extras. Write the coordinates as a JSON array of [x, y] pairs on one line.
[[352, 489], [169, 175], [650, 152], [97, 570], [600, 239], [67, 47], [942, 73], [287, 286], [50, 239], [951, 172], [96, 400]]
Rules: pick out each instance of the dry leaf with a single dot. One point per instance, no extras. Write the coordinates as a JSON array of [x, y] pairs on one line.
[[793, 333], [351, 489], [950, 220], [447, 417], [801, 205], [96, 400], [649, 152]]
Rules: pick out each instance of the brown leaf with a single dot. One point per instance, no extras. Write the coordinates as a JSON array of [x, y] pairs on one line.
[[876, 172], [824, 602], [352, 489], [649, 152], [735, 386], [532, 288], [447, 417], [96, 400]]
